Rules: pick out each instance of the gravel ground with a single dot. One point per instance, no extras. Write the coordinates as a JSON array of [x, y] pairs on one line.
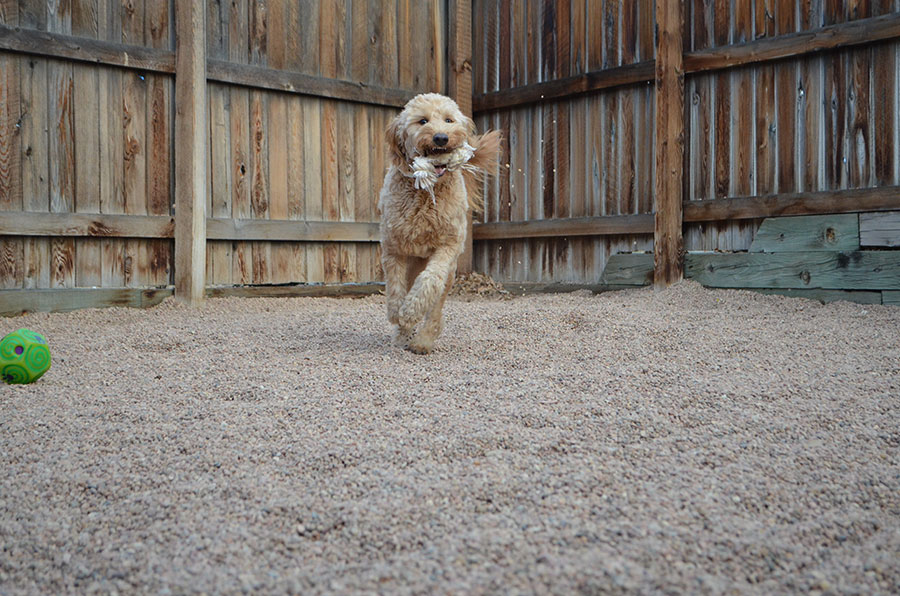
[[678, 441]]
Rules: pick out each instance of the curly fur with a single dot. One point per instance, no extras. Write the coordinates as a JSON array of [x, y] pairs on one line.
[[423, 228]]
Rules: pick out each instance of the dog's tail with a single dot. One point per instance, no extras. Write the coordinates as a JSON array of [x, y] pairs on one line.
[[485, 162]]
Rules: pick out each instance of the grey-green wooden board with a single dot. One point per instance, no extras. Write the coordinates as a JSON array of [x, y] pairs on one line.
[[855, 270], [880, 229], [628, 269], [807, 233], [16, 302]]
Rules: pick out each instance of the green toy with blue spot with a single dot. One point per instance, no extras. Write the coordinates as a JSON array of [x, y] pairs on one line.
[[24, 357]]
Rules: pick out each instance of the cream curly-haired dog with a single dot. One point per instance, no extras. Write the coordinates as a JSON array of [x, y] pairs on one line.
[[437, 160]]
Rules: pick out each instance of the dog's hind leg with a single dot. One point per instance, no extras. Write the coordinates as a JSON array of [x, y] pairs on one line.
[[424, 340]]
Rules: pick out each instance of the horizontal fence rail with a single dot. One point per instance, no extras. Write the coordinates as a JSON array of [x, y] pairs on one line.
[[812, 203], [862, 31], [572, 226], [67, 47], [89, 225]]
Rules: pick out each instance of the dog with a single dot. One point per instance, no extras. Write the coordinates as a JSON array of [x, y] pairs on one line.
[[437, 162]]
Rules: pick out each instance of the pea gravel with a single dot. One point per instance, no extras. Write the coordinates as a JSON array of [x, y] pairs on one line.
[[680, 441]]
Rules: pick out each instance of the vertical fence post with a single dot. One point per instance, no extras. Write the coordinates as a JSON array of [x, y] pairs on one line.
[[459, 86], [667, 238], [191, 132]]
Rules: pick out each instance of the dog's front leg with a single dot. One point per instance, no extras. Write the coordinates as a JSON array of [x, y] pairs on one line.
[[394, 267], [431, 327], [429, 286]]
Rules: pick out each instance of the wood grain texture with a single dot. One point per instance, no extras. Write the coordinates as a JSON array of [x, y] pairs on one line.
[[573, 226], [15, 303], [191, 130], [832, 36], [814, 203], [858, 270], [668, 242], [880, 229], [808, 233]]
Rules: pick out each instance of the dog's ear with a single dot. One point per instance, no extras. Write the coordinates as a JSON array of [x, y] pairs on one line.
[[395, 142]]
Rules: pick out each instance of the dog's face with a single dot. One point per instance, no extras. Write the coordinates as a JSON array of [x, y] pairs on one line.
[[429, 125]]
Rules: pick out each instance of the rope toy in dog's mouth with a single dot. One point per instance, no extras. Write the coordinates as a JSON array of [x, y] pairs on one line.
[[424, 169]]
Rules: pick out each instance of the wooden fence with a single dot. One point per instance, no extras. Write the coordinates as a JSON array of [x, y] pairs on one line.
[[788, 108], [297, 95], [631, 126]]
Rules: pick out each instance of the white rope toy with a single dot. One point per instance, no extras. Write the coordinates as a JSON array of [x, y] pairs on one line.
[[426, 176]]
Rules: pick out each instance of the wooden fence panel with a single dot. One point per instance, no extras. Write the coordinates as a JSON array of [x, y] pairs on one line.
[[789, 106], [299, 95], [573, 157], [92, 140], [803, 99], [288, 156], [804, 124]]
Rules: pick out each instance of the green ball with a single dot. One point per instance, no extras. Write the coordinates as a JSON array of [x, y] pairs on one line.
[[24, 356]]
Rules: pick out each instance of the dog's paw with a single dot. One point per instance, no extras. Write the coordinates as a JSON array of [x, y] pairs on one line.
[[420, 345], [401, 337]]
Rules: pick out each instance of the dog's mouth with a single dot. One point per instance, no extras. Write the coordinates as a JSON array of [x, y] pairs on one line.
[[440, 169], [435, 150]]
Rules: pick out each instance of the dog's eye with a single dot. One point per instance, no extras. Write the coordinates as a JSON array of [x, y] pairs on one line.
[[423, 121], [449, 121]]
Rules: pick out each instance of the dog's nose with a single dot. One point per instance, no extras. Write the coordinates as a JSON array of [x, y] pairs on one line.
[[440, 139]]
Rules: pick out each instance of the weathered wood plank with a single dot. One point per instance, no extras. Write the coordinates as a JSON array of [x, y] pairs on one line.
[[278, 180], [112, 146], [857, 270], [136, 57], [286, 230], [669, 144], [296, 182], [35, 167], [294, 82], [329, 197], [10, 139], [242, 261], [595, 80], [891, 298], [572, 226], [219, 266], [364, 202], [313, 290], [62, 167], [261, 253], [884, 113], [812, 203], [88, 257], [880, 229], [862, 31], [766, 49], [347, 193], [459, 86], [808, 233], [312, 151], [81, 49], [16, 302], [12, 250], [629, 269], [191, 132], [159, 149]]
